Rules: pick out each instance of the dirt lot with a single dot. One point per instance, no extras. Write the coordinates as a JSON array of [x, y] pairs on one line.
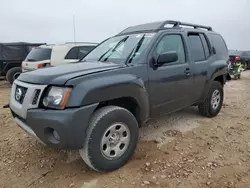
[[180, 150]]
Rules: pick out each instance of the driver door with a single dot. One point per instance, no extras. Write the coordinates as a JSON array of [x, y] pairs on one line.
[[170, 85]]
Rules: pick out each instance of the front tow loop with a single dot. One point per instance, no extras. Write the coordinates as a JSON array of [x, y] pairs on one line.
[[6, 106]]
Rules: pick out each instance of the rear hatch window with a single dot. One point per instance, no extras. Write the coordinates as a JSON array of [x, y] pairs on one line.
[[233, 54], [39, 54]]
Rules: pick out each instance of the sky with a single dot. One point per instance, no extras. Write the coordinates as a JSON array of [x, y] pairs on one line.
[[51, 21]]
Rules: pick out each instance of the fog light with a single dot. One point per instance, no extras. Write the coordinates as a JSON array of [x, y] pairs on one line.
[[56, 135]]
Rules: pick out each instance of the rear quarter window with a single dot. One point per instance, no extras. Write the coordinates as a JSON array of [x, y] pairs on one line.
[[220, 46]]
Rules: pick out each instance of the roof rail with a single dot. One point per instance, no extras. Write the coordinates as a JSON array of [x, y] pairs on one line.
[[81, 42], [178, 24], [156, 26]]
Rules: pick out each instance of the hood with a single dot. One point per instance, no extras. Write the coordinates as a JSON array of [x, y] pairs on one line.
[[59, 75]]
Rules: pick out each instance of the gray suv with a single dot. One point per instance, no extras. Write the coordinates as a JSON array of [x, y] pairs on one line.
[[98, 105]]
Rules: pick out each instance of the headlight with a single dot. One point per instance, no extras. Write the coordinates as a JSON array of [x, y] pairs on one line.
[[57, 97]]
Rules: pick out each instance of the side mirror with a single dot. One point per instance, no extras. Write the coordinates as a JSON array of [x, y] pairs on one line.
[[167, 57]]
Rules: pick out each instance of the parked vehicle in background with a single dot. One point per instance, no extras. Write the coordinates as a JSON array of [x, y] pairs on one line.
[[53, 55], [242, 57], [11, 57], [99, 105]]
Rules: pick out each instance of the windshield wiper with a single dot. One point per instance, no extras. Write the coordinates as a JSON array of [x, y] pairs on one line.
[[104, 54], [113, 49], [135, 50]]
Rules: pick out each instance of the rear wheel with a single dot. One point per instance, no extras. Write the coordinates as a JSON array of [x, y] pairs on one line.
[[213, 102], [111, 139], [13, 74]]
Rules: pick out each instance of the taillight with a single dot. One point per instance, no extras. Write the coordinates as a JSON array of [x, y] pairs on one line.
[[40, 66], [43, 65], [237, 58]]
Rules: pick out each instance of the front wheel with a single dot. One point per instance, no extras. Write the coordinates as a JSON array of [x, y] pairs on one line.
[[13, 74], [213, 102], [111, 139]]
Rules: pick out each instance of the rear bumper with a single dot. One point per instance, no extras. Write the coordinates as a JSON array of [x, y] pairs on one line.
[[61, 129]]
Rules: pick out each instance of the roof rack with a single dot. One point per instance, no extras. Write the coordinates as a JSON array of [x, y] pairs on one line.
[[178, 24], [156, 26]]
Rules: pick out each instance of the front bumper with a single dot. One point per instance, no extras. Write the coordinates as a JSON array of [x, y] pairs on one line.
[[70, 126]]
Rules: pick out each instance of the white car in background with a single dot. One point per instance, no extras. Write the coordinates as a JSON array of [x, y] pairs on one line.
[[54, 55]]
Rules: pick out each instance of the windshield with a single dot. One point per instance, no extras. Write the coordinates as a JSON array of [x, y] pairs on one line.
[[121, 49], [39, 54]]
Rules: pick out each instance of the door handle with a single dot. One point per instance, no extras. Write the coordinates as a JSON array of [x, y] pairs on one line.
[[187, 72]]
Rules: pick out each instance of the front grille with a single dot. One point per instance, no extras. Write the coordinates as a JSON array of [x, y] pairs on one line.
[[36, 96], [20, 93]]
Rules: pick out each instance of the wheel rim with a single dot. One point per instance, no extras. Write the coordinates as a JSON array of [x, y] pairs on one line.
[[215, 100], [15, 76], [115, 141]]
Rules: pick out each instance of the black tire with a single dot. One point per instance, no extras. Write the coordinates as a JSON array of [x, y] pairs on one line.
[[206, 109], [248, 64], [245, 66], [102, 119], [239, 76], [12, 74]]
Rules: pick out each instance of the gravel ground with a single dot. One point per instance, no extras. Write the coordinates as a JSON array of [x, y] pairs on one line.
[[180, 150]]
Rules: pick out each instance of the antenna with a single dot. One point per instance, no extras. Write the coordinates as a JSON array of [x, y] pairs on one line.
[[74, 27]]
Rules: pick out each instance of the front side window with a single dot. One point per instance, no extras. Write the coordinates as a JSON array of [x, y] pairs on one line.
[[172, 43], [121, 49]]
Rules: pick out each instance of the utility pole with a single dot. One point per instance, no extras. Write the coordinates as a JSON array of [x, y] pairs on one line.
[[74, 27]]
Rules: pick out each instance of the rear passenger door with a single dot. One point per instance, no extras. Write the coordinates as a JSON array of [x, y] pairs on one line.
[[200, 51]]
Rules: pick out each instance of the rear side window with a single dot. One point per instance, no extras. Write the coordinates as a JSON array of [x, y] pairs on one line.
[[73, 53], [205, 45], [197, 50], [220, 46], [79, 52], [84, 50], [39, 54]]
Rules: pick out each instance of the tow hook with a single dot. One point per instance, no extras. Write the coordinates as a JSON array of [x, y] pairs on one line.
[[6, 106]]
